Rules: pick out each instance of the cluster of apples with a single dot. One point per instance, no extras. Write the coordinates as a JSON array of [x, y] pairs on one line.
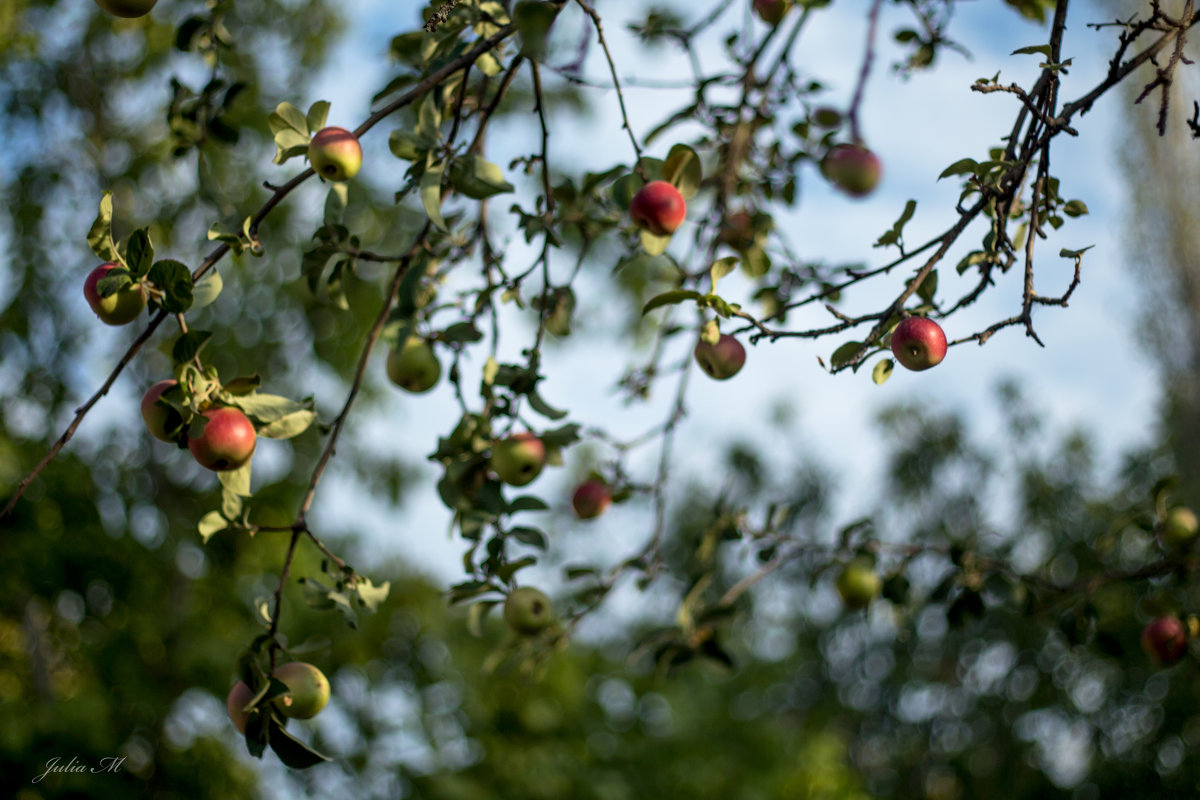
[[308, 693], [226, 443]]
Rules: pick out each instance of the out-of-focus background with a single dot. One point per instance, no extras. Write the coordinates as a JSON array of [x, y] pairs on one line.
[[119, 629]]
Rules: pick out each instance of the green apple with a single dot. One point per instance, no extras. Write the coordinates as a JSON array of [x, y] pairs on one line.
[[335, 154], [852, 168], [528, 611], [858, 584], [308, 690], [235, 704], [119, 308], [1165, 640], [159, 417], [227, 442], [919, 343], [518, 459], [1179, 528], [720, 361], [127, 8], [414, 367]]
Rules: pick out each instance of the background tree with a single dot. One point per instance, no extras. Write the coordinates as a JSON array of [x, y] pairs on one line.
[[1004, 643]]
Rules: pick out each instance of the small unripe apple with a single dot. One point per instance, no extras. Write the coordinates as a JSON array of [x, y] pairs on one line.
[[227, 441], [159, 418], [414, 367], [658, 207], [722, 360], [127, 8], [852, 168], [591, 499], [518, 459], [1165, 640], [1180, 528], [772, 11], [308, 690], [335, 154], [235, 704], [858, 584], [919, 343], [738, 231], [118, 308], [528, 611]]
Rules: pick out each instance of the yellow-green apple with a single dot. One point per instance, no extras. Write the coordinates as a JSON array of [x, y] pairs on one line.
[[591, 499], [1179, 528], [658, 207], [852, 168], [414, 367], [227, 441], [335, 154], [160, 417], [308, 690], [858, 584], [127, 8], [528, 611], [235, 704], [722, 360], [118, 308], [1165, 640], [919, 343], [772, 11], [518, 459]]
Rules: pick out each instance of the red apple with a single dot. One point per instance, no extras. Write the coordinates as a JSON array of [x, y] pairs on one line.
[[772, 11], [591, 499], [227, 441], [919, 343], [159, 418], [118, 308], [722, 360], [1165, 640], [658, 207], [238, 697], [852, 168], [335, 154]]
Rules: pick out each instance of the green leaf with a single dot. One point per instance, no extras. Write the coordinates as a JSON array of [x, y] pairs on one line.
[[189, 345], [318, 112], [291, 751], [1075, 208], [478, 178], [963, 166], [408, 146], [370, 595], [231, 505], [526, 502], [683, 170], [289, 425], [477, 615], [530, 536], [1065, 253], [1042, 49], [175, 281], [670, 298], [99, 238], [210, 524], [461, 332], [533, 20], [243, 384], [207, 290], [267, 408], [429, 120], [722, 267], [883, 371], [287, 116], [928, 287], [542, 407], [237, 480], [139, 252], [116, 280], [845, 353], [654, 245], [711, 332], [431, 196]]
